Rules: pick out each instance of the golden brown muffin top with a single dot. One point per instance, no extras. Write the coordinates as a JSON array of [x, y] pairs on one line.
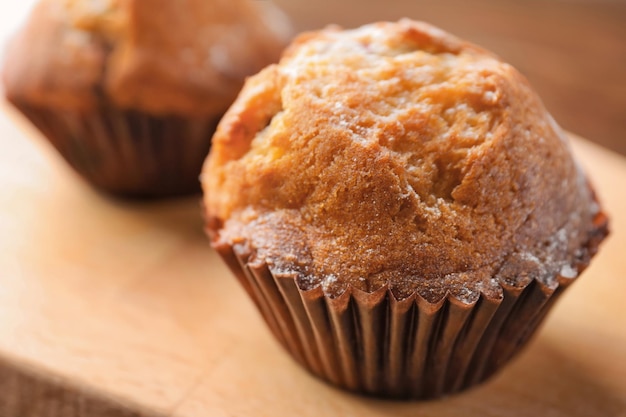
[[396, 154], [160, 56]]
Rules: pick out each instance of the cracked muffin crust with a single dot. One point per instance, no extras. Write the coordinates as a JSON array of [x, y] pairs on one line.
[[398, 155]]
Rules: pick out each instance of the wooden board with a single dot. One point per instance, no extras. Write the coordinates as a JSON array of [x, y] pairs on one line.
[[116, 308]]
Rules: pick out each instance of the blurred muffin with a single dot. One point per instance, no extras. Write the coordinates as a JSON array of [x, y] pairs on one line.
[[399, 205], [129, 91]]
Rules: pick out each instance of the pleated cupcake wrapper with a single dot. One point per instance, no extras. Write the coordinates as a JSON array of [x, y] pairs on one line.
[[375, 344], [128, 152]]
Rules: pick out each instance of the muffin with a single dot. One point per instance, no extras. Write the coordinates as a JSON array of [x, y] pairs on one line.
[[399, 205], [130, 92]]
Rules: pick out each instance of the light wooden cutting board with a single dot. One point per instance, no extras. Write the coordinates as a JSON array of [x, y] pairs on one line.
[[113, 308]]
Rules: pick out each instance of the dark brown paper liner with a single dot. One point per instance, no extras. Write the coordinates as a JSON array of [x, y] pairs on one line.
[[375, 344], [127, 152]]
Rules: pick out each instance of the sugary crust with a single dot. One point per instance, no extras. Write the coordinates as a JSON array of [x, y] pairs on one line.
[[186, 57], [398, 154]]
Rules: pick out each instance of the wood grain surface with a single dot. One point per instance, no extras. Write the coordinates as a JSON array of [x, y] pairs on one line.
[[116, 308]]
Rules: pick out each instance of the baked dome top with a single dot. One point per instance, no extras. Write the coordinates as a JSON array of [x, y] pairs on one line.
[[185, 57], [396, 154]]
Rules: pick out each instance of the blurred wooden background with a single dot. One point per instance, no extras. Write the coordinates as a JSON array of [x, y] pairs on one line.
[[572, 51]]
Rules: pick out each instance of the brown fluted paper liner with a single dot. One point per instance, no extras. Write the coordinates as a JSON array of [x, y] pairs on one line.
[[375, 344], [127, 152]]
